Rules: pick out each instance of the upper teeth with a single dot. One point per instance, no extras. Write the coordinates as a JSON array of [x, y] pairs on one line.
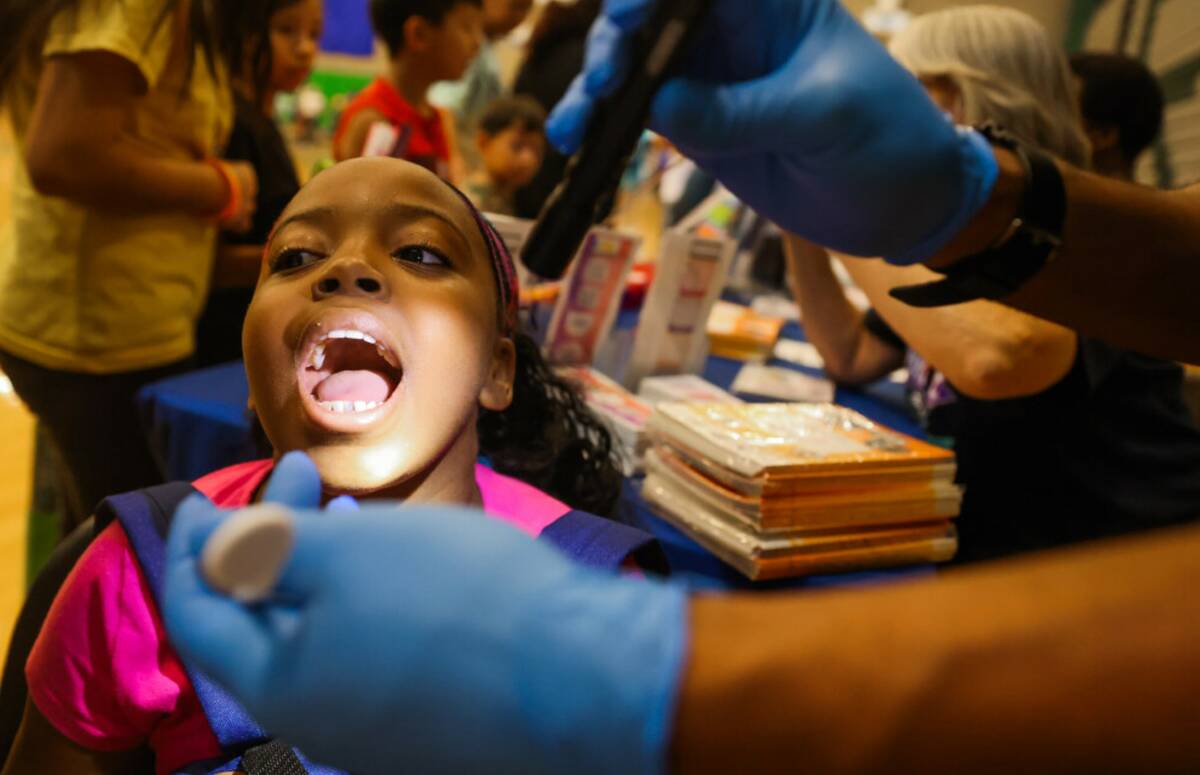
[[342, 333], [317, 359]]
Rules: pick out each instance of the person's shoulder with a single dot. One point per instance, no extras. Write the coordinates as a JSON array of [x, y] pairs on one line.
[[103, 607], [234, 486], [517, 503], [135, 30], [110, 549], [606, 544], [363, 110], [379, 95]]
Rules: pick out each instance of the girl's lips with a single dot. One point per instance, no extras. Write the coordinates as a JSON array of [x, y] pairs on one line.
[[336, 420], [349, 373]]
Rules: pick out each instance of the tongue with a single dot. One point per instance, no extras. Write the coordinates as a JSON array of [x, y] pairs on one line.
[[354, 385]]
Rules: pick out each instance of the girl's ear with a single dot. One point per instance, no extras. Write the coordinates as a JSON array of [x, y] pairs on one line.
[[416, 33], [497, 391], [1103, 138]]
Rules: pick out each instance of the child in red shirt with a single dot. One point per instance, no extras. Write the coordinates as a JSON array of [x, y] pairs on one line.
[[427, 41]]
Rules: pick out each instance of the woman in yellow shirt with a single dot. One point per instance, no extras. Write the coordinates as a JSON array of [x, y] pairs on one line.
[[119, 109]]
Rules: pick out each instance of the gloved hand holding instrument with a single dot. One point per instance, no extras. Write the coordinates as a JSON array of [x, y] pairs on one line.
[[804, 116]]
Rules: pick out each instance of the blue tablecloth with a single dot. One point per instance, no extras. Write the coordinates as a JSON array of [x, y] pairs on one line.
[[198, 423]]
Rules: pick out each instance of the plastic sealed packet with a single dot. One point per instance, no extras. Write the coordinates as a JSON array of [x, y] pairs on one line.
[[755, 379], [753, 440]]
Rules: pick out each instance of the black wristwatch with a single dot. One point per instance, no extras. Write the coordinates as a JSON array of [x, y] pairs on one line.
[[1020, 253]]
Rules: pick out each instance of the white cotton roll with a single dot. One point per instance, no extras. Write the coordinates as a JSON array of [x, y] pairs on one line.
[[245, 555]]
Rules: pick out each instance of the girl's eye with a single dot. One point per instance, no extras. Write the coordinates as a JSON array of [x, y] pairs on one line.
[[417, 254], [293, 258]]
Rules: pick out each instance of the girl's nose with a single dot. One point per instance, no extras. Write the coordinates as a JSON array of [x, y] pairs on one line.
[[352, 277]]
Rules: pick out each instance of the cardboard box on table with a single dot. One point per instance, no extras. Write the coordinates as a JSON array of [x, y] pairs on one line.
[[740, 333], [671, 337], [589, 298], [582, 319]]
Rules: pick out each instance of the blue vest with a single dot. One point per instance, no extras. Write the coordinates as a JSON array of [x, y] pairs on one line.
[[145, 515]]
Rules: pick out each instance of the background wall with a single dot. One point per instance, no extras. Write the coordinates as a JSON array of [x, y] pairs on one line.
[[1165, 34], [1052, 14]]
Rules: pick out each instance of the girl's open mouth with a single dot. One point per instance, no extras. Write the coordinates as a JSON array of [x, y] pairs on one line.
[[347, 376]]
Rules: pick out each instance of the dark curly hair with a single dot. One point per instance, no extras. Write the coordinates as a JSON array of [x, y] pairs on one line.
[[548, 437]]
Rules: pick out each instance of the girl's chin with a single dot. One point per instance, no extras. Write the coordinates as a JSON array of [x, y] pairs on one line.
[[292, 82], [360, 472]]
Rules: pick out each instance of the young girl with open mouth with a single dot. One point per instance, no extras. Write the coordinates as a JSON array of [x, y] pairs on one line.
[[382, 341]]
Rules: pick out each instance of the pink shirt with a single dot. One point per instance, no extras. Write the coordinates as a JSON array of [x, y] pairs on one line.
[[102, 671]]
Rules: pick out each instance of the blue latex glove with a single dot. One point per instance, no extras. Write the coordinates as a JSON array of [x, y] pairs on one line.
[[805, 117], [435, 640]]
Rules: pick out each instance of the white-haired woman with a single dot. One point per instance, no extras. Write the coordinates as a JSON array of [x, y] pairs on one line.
[[1059, 438]]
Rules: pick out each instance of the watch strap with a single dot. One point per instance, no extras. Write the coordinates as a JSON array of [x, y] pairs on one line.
[[1022, 251]]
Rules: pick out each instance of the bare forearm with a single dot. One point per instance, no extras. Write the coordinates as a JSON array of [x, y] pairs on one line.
[[1076, 661], [831, 323], [124, 179], [985, 349], [79, 145], [1128, 267]]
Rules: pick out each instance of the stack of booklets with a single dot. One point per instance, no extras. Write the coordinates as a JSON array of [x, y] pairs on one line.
[[738, 332], [624, 413], [780, 490]]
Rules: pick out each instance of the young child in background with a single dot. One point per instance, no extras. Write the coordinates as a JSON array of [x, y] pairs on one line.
[[294, 34], [427, 41], [511, 141], [382, 340], [467, 98], [1121, 102]]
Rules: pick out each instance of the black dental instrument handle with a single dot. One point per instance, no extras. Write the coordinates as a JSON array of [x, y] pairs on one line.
[[594, 172]]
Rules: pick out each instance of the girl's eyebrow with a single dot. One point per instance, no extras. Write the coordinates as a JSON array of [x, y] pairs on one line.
[[313, 214], [402, 211], [407, 211]]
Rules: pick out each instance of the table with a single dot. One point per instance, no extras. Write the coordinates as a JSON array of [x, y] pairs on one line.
[[198, 423]]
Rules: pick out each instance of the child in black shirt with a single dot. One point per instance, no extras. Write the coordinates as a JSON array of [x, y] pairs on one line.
[[295, 30]]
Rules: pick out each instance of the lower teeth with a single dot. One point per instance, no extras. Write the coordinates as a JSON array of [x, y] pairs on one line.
[[346, 407]]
